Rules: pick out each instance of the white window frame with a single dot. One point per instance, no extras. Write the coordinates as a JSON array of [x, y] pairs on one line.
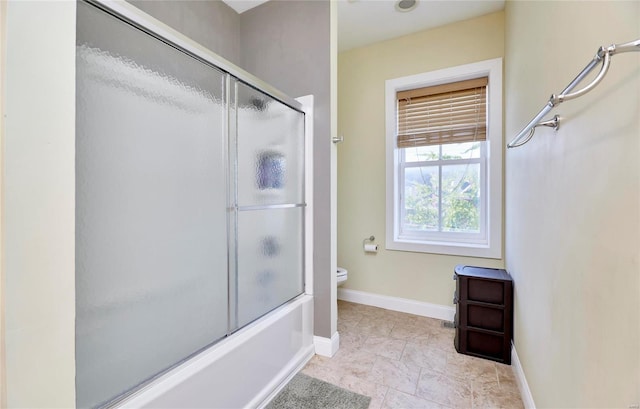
[[489, 243]]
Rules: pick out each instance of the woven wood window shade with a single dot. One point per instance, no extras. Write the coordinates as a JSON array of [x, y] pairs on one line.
[[447, 113]]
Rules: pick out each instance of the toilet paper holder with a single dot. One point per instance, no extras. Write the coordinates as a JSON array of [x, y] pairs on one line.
[[369, 248]]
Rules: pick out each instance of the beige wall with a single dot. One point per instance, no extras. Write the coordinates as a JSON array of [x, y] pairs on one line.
[[361, 158], [39, 201], [573, 205], [3, 39]]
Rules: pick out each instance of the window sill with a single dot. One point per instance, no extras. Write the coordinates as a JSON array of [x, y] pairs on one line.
[[446, 248]]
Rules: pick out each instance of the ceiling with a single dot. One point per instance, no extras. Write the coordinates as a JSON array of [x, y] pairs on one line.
[[363, 22], [240, 6]]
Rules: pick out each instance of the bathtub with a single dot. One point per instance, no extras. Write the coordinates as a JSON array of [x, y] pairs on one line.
[[247, 369]]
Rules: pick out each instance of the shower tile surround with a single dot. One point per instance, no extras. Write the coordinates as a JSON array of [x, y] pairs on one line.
[[408, 361]]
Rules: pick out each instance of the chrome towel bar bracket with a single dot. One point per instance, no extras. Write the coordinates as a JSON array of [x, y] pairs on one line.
[[603, 55]]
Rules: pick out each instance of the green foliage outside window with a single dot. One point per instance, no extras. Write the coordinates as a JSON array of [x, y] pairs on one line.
[[460, 195]]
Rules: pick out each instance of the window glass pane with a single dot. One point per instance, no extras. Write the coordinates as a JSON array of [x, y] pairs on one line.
[[422, 153], [461, 150], [421, 199], [461, 198], [453, 151]]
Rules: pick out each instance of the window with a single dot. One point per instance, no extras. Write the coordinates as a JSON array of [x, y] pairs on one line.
[[444, 161]]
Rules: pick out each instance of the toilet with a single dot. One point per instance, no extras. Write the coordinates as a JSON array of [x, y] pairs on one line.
[[342, 276]]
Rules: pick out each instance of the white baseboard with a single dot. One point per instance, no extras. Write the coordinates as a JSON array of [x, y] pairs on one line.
[[525, 392], [425, 309], [325, 346]]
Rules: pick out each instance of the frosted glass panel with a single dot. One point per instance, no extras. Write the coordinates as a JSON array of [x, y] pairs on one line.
[[151, 269], [270, 143], [270, 260]]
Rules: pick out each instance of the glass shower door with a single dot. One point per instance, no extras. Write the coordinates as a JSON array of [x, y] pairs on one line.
[[189, 205], [269, 152], [151, 208]]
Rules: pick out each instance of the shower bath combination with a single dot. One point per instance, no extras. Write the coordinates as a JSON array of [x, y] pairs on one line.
[[190, 216]]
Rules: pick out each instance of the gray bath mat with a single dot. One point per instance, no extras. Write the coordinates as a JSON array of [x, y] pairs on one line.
[[305, 392]]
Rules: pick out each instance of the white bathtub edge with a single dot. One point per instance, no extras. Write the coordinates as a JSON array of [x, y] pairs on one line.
[[156, 390], [271, 390]]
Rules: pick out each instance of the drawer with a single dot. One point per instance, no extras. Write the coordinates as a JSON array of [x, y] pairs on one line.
[[483, 345], [485, 317], [485, 291]]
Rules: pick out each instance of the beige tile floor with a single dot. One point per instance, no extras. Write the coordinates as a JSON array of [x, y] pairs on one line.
[[407, 361]]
